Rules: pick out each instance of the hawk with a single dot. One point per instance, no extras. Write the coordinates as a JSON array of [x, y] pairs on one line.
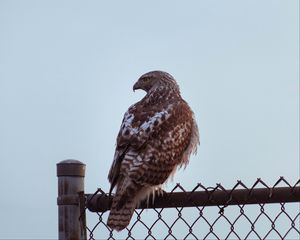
[[157, 135]]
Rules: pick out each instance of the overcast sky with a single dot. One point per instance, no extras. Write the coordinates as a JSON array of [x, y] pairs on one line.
[[66, 74]]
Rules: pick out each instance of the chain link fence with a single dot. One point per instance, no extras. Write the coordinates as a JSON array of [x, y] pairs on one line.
[[256, 212]]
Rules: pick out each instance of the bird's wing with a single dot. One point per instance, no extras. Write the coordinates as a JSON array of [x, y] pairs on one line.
[[137, 127]]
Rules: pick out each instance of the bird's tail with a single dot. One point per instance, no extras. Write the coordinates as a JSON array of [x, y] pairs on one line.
[[119, 217]]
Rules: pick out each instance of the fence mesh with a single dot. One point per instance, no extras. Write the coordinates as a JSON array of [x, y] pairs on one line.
[[257, 212]]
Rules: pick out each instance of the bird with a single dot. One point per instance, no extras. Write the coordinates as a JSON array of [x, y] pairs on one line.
[[157, 136]]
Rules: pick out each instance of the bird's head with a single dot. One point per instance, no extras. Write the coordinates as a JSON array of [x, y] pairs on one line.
[[155, 79]]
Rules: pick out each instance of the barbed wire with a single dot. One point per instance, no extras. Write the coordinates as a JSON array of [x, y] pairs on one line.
[[207, 213]]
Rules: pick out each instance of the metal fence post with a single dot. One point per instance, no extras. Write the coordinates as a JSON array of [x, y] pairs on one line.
[[71, 222]]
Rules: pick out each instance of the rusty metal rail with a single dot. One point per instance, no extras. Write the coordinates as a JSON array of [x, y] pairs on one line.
[[101, 202]]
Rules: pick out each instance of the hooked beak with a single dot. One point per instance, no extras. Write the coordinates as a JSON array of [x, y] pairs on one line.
[[136, 86]]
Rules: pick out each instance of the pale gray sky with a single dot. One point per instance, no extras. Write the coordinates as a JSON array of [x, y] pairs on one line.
[[66, 75]]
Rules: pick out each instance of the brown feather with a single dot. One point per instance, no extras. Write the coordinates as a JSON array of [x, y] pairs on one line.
[[157, 135]]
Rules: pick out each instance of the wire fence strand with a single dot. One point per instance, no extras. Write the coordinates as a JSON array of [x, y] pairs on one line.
[[256, 212]]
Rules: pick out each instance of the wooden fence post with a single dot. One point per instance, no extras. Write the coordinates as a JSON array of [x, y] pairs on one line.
[[71, 219]]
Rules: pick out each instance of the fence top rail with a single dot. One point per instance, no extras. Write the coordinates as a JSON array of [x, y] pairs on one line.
[[218, 196]]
